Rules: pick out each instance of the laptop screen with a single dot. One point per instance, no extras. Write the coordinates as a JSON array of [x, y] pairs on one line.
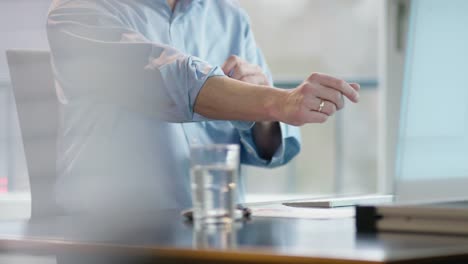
[[432, 151]]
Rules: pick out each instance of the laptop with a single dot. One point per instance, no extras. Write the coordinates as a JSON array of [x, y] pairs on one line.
[[431, 185]]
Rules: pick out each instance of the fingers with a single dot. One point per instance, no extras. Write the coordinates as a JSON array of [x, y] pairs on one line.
[[313, 104], [236, 67], [306, 116], [316, 90], [315, 117], [230, 63], [328, 108], [239, 69], [337, 84], [317, 98], [258, 79], [245, 69], [356, 86]]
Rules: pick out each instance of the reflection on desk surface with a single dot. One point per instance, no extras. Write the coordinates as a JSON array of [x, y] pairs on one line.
[[166, 233]]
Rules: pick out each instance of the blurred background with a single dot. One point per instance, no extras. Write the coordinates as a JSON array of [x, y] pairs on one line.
[[339, 37]]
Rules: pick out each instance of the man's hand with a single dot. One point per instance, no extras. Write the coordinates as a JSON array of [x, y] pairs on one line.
[[317, 98], [241, 70]]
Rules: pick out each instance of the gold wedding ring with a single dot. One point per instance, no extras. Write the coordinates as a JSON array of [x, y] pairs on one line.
[[322, 104]]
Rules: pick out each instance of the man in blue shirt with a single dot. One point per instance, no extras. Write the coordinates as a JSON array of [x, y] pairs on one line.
[[141, 81]]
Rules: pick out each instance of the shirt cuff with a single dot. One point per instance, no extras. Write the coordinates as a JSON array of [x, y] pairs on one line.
[[202, 71], [289, 148]]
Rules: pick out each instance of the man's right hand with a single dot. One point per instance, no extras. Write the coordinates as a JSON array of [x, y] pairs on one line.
[[302, 105]]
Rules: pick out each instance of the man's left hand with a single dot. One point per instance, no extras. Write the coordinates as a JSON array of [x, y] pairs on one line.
[[239, 69]]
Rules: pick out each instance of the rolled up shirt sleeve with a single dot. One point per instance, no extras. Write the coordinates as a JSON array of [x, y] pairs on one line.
[[289, 148], [183, 81], [97, 54]]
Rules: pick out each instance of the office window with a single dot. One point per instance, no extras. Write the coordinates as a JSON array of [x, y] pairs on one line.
[[332, 36]]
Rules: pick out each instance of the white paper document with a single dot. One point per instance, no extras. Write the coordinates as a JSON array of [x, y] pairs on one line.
[[283, 211]]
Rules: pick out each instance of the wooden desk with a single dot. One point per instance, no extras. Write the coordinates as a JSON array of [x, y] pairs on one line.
[[164, 237]]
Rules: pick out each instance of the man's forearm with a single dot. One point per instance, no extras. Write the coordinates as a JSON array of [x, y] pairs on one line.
[[228, 99], [313, 101]]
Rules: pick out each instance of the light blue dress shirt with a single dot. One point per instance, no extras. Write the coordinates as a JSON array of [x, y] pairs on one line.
[[127, 75]]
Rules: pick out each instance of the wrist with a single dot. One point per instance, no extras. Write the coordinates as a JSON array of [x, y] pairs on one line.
[[273, 103]]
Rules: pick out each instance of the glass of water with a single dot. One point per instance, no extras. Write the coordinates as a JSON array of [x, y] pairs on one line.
[[214, 170], [215, 236]]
